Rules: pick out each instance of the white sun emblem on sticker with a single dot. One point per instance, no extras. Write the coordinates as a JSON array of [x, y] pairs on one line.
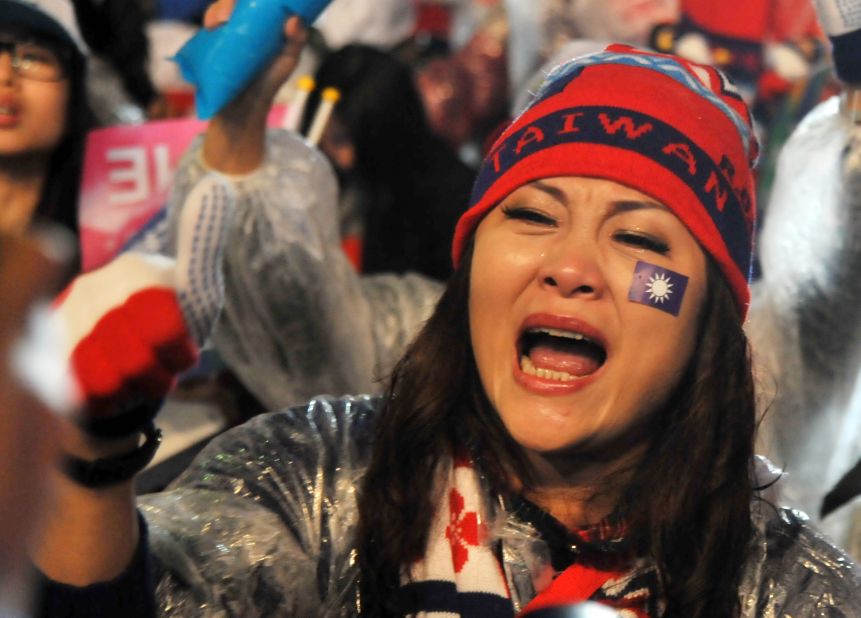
[[659, 288]]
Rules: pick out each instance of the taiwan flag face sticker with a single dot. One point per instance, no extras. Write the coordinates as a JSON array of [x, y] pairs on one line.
[[658, 287]]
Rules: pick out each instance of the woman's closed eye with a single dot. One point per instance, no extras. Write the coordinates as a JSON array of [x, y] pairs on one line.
[[530, 215], [640, 240]]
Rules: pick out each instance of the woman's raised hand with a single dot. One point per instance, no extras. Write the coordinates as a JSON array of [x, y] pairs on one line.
[[268, 83], [133, 325], [235, 138]]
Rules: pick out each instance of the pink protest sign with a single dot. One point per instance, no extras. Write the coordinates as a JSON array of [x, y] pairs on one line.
[[127, 178]]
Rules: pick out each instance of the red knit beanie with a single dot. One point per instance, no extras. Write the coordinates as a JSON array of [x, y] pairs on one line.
[[673, 129]]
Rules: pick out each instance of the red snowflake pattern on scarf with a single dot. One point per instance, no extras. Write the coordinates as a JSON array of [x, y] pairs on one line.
[[463, 530]]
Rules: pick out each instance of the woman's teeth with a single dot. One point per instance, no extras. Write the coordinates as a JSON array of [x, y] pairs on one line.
[[548, 374], [560, 333]]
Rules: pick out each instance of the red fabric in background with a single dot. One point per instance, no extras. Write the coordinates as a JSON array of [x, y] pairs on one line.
[[433, 19], [352, 246], [755, 20], [743, 19]]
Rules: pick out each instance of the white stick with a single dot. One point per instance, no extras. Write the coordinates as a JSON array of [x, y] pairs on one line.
[[293, 117], [329, 98]]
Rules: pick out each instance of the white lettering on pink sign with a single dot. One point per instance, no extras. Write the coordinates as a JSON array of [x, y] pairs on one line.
[[127, 178]]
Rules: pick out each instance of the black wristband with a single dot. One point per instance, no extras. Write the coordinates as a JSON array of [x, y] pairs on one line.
[[133, 417], [113, 470], [847, 56]]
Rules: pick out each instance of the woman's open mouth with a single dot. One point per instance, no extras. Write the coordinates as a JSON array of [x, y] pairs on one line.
[[559, 354], [9, 112]]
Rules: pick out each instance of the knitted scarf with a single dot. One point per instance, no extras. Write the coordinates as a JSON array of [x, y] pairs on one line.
[[461, 574]]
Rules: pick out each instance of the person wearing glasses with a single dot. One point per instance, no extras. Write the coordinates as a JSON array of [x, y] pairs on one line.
[[44, 118]]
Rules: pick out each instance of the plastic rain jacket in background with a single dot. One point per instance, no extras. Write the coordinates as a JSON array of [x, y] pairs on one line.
[[298, 321], [805, 324], [262, 524]]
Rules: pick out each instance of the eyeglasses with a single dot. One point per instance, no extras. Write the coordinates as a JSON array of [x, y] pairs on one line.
[[33, 60]]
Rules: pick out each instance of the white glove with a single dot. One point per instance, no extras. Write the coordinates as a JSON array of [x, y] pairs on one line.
[[135, 323]]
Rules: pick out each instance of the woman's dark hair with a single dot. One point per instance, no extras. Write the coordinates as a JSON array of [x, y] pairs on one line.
[[691, 494], [116, 31], [59, 200], [412, 186], [687, 505]]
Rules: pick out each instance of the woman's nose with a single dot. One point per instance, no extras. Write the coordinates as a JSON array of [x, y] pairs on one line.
[[573, 269], [7, 71]]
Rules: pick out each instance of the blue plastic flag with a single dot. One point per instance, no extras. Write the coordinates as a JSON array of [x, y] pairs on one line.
[[221, 62], [658, 287]]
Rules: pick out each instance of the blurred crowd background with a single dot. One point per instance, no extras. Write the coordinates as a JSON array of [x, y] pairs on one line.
[[424, 87]]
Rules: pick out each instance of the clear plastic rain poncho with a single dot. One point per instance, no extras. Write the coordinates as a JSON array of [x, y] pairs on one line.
[[805, 318], [298, 321], [262, 525]]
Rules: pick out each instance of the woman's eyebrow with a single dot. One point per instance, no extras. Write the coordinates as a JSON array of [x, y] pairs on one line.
[[558, 194], [629, 205]]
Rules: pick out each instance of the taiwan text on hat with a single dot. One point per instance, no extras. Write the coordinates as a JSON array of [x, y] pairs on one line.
[[675, 130]]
